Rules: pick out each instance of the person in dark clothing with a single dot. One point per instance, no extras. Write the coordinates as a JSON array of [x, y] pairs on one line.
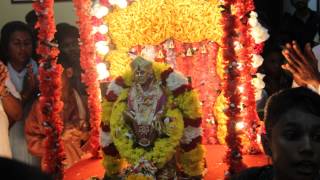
[[67, 36], [16, 170], [292, 138], [302, 26]]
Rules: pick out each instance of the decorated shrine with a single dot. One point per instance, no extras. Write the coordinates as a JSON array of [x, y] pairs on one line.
[[181, 75]]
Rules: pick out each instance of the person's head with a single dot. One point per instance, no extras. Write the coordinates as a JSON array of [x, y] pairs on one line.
[[65, 62], [17, 44], [300, 4], [31, 18], [67, 36], [142, 70], [292, 140]]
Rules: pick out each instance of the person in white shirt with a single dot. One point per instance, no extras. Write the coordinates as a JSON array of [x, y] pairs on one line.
[[10, 110], [17, 47]]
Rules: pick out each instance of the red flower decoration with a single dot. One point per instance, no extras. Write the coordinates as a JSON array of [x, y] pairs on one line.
[[88, 64], [50, 87]]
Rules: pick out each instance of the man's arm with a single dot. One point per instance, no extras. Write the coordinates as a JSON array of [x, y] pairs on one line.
[[12, 107], [8, 95], [34, 131]]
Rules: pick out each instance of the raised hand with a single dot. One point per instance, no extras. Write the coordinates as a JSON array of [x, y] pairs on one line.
[[302, 65], [3, 77], [29, 84]]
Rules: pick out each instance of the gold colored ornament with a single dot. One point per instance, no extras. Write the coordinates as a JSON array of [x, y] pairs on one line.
[[171, 45], [160, 54], [189, 52], [203, 49]]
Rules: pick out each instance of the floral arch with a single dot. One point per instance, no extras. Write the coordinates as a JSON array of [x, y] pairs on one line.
[[189, 28], [178, 32]]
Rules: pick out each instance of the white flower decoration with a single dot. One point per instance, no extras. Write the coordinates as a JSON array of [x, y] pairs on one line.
[[258, 81], [190, 133], [176, 80], [115, 88], [257, 31], [257, 60], [105, 138]]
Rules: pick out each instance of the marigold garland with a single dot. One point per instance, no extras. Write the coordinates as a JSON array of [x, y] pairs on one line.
[[50, 87], [88, 64], [163, 149], [177, 108], [193, 161]]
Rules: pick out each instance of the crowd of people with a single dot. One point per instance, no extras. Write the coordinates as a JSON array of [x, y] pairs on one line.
[[292, 138], [23, 137]]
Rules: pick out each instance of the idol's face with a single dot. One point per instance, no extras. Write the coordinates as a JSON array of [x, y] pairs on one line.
[[295, 146], [142, 76]]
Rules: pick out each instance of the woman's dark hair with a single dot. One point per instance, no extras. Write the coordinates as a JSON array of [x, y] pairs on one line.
[[66, 30], [64, 60], [31, 18], [6, 32], [301, 98]]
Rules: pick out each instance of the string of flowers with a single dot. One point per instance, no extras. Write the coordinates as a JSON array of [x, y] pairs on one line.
[[88, 64], [249, 114], [100, 30], [187, 126], [50, 87], [229, 89]]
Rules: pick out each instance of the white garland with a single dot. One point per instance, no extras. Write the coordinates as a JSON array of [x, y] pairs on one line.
[[190, 133], [176, 80], [257, 31], [259, 35], [105, 138], [259, 84], [115, 88], [257, 60]]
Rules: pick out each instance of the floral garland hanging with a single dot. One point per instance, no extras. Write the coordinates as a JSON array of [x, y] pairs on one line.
[[50, 87], [88, 64], [182, 106], [163, 149], [240, 64], [99, 11], [229, 89], [248, 54]]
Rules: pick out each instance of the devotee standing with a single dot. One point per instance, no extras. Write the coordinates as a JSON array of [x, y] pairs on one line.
[[10, 110], [302, 26], [17, 46]]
